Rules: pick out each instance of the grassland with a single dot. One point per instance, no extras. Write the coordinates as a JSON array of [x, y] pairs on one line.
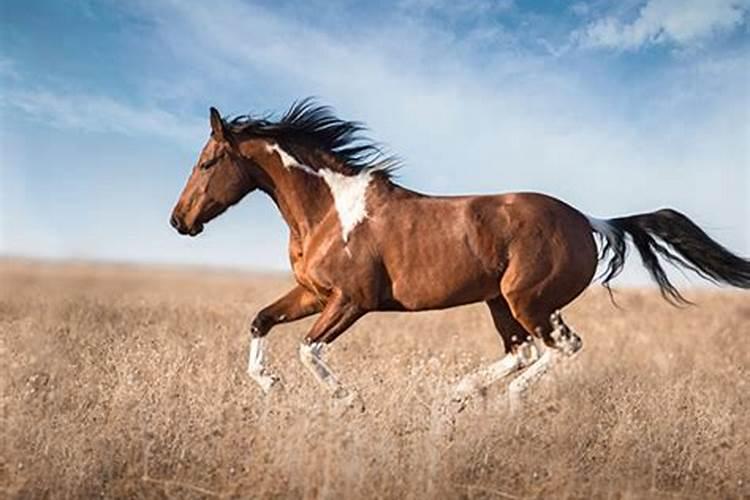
[[130, 382]]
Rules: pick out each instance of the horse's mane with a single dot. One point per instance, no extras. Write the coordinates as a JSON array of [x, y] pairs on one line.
[[309, 125]]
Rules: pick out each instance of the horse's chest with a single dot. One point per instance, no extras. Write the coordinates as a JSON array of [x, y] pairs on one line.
[[312, 261], [300, 265], [328, 264]]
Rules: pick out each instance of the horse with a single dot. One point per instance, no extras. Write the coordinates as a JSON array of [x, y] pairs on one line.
[[359, 243]]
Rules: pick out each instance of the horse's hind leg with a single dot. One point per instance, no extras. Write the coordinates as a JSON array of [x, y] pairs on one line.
[[510, 330], [520, 351], [561, 341], [553, 266]]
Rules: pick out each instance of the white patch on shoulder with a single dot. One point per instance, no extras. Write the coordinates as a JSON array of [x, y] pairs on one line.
[[349, 191], [350, 196]]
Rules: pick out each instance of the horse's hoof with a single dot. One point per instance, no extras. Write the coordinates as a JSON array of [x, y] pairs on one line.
[[347, 400], [265, 380], [464, 390]]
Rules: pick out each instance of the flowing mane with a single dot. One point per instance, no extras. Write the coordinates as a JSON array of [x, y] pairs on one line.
[[308, 128]]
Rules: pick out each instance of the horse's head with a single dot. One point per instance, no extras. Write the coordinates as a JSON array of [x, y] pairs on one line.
[[221, 178]]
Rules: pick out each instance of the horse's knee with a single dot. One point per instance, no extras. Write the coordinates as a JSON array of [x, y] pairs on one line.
[[261, 324]]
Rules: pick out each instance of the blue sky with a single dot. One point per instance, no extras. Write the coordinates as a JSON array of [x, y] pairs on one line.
[[614, 106]]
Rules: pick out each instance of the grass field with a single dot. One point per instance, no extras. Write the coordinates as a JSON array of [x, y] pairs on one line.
[[130, 382]]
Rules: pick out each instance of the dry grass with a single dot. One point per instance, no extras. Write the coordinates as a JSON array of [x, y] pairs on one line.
[[127, 382]]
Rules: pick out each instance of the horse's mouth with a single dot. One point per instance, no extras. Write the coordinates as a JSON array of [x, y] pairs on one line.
[[196, 229]]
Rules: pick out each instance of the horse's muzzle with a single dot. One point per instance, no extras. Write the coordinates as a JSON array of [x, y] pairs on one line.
[[195, 229], [176, 223], [182, 228]]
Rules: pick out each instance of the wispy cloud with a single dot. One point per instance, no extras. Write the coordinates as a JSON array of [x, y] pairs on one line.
[[98, 113], [683, 23]]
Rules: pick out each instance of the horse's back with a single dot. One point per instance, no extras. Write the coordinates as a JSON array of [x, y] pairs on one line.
[[446, 251]]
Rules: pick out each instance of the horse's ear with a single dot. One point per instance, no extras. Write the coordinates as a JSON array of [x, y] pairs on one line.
[[217, 125]]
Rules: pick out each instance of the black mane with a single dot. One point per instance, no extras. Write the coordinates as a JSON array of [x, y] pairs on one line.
[[307, 126]]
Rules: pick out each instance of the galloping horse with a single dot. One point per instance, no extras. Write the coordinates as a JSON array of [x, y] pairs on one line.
[[359, 242]]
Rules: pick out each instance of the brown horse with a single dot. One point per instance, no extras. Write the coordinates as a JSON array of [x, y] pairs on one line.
[[360, 243]]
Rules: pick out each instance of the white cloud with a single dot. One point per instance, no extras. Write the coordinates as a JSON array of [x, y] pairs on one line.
[[683, 23], [97, 113]]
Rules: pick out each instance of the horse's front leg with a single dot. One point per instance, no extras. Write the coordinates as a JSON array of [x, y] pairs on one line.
[[297, 304], [338, 315]]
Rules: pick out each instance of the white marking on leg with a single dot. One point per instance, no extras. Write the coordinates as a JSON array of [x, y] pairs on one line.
[[310, 355], [566, 340], [488, 375], [256, 364], [349, 192], [526, 354], [532, 374], [529, 352]]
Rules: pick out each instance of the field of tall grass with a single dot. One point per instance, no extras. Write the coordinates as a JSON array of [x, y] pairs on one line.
[[129, 382]]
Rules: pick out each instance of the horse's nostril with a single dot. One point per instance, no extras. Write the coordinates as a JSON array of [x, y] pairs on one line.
[[175, 222]]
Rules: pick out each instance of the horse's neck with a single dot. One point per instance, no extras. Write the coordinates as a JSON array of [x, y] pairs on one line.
[[306, 195], [301, 196], [302, 203]]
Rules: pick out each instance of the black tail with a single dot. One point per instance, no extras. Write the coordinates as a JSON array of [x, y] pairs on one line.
[[687, 245]]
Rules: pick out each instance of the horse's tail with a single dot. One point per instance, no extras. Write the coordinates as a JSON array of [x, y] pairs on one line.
[[671, 235]]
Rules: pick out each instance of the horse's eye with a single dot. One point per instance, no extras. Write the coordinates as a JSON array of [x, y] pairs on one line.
[[210, 163]]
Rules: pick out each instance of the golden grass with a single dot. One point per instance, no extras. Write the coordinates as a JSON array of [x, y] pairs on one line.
[[130, 382]]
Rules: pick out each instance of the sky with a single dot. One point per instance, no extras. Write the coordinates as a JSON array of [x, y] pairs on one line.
[[616, 107]]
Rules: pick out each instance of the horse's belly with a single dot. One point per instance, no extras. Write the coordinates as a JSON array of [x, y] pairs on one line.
[[443, 285]]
